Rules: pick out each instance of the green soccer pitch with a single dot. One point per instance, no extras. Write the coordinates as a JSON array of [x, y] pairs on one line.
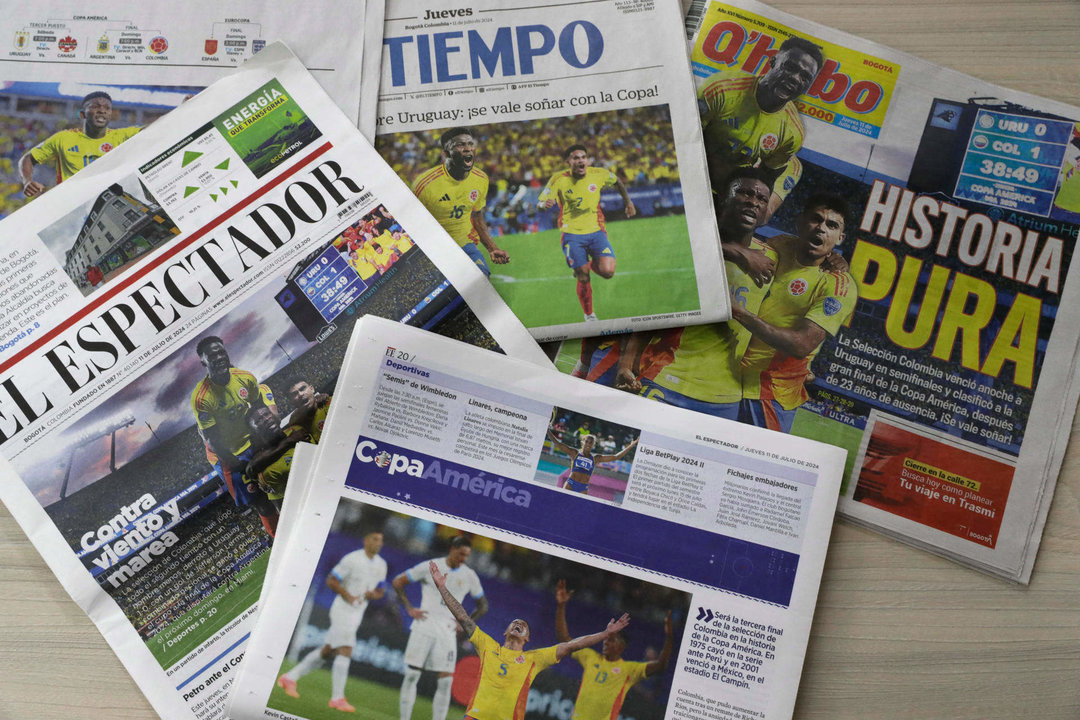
[[814, 427], [373, 701], [654, 274], [213, 613]]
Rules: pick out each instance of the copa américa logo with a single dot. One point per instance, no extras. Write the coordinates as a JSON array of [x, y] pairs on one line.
[[443, 473]]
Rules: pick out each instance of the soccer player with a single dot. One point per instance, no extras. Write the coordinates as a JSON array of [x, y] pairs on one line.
[[432, 641], [455, 192], [220, 402], [583, 461], [697, 367], [356, 579], [507, 670], [752, 121], [606, 677], [309, 408], [584, 239], [69, 151], [272, 449], [805, 305]]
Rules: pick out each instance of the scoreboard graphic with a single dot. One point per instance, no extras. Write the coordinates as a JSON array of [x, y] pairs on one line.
[[999, 154], [330, 284]]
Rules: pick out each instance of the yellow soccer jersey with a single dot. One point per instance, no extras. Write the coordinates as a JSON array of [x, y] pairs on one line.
[[737, 132], [276, 475], [603, 685], [69, 151], [505, 677], [1068, 194], [451, 201], [315, 427], [705, 358], [225, 406], [579, 200], [363, 265], [825, 298]]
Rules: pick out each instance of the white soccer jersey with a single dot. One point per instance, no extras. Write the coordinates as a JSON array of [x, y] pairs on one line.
[[460, 581], [359, 574]]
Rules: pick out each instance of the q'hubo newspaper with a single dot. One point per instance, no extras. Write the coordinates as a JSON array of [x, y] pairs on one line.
[[558, 144], [550, 508], [131, 63], [942, 357], [176, 316]]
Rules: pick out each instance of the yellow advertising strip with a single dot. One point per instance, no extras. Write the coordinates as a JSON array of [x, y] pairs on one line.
[[936, 472], [852, 90]]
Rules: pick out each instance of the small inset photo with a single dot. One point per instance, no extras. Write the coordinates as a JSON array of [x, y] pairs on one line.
[[105, 236], [587, 455]]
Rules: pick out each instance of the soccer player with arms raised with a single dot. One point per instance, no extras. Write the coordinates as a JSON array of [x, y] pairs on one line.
[[69, 151], [606, 677], [455, 192], [806, 304], [583, 461], [507, 669], [752, 121], [584, 239]]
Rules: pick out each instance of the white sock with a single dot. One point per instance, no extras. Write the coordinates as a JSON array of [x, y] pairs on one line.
[[440, 704], [311, 661], [338, 674], [408, 693]]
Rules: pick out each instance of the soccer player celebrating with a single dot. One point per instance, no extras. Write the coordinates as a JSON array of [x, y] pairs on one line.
[[606, 677], [309, 408], [697, 367], [69, 151], [220, 402], [583, 461], [432, 641], [507, 670], [805, 304], [752, 121], [272, 450], [356, 579], [455, 192], [584, 240]]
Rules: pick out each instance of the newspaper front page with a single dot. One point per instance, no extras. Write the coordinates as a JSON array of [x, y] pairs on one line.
[[940, 351], [178, 313], [550, 507], [133, 62], [559, 146]]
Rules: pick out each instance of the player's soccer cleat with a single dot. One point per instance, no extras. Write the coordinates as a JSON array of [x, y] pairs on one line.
[[288, 685], [341, 704], [590, 317], [580, 369]]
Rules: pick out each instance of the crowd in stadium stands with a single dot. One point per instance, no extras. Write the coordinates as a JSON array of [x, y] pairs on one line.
[[25, 122], [519, 158], [215, 546], [373, 243]]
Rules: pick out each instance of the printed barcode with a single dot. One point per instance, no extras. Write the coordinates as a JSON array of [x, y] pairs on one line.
[[693, 17]]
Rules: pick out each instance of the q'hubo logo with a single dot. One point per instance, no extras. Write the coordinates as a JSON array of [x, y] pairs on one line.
[[851, 90], [443, 473]]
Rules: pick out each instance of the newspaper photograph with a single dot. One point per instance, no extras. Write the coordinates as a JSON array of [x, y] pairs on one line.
[[443, 560], [74, 85], [149, 415], [563, 157], [901, 279]]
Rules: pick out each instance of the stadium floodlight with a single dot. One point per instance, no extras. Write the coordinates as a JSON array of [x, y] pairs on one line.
[[88, 436]]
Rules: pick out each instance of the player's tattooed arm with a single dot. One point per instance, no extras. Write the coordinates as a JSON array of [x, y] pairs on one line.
[[565, 648], [455, 608], [797, 341], [562, 596], [660, 663], [399, 584], [334, 584], [631, 211], [759, 266], [481, 609], [498, 255], [26, 170], [628, 370], [264, 458], [218, 446]]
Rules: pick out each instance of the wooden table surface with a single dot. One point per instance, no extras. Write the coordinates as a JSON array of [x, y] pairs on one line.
[[898, 634]]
